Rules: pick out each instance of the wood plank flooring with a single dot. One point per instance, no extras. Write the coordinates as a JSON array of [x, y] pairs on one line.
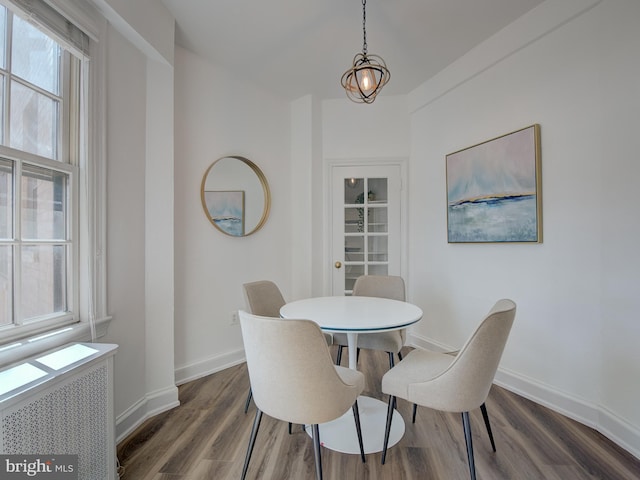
[[207, 435]]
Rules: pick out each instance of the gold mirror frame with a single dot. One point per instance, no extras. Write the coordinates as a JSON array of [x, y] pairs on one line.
[[239, 198]]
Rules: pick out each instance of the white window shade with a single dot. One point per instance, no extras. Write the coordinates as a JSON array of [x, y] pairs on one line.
[[66, 32]]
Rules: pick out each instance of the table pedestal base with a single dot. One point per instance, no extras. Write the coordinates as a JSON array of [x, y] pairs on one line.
[[340, 434]]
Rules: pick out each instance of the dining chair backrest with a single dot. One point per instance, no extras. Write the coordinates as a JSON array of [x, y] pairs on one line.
[[384, 286], [263, 298], [465, 384], [291, 371]]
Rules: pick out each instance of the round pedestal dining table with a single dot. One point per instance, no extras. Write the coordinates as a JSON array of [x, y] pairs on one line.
[[353, 315]]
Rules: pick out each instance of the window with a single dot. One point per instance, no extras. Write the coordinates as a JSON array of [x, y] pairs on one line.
[[41, 78]]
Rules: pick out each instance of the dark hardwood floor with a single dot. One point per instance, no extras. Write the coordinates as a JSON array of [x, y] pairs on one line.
[[206, 438]]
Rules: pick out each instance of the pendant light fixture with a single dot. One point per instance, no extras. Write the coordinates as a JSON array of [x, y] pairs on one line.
[[368, 74]]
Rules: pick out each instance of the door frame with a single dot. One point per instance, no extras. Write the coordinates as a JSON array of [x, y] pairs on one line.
[[329, 165]]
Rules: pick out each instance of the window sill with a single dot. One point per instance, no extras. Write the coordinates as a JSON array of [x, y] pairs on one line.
[[26, 347]]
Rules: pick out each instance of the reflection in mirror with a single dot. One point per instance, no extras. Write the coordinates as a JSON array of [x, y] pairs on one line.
[[235, 196]]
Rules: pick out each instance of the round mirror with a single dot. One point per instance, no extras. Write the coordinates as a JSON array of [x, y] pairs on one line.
[[235, 196]]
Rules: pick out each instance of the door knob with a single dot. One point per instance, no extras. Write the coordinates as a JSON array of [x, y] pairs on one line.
[[338, 264]]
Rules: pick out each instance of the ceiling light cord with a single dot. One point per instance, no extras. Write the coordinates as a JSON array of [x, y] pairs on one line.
[[364, 27]]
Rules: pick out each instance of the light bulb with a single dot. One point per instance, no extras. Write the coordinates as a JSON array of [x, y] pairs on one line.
[[368, 82]]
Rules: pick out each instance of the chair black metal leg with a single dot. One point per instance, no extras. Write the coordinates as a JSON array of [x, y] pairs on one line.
[[252, 442], [356, 416], [315, 432], [339, 355], [485, 415], [392, 402], [391, 362], [246, 404], [467, 438], [289, 428], [415, 409]]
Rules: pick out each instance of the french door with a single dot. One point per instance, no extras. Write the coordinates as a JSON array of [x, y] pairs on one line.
[[366, 228]]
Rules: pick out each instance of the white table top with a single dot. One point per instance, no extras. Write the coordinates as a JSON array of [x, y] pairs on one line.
[[354, 314]]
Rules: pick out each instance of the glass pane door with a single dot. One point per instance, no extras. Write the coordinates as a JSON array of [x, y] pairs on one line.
[[366, 224], [365, 229]]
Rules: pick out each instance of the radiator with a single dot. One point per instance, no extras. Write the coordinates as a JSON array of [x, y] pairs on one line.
[[61, 403]]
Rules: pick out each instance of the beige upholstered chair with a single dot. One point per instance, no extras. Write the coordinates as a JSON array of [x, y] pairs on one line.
[[293, 377], [457, 383], [264, 298], [391, 342]]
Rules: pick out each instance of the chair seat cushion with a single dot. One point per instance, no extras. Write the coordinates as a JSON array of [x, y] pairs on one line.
[[417, 366]]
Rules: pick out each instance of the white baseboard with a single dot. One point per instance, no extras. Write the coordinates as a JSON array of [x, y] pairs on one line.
[[599, 418], [208, 366], [619, 431], [152, 404]]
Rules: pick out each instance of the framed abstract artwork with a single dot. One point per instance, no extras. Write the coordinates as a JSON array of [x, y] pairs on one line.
[[494, 190], [226, 210]]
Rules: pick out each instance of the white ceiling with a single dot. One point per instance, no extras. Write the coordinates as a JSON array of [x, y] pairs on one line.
[[299, 47]]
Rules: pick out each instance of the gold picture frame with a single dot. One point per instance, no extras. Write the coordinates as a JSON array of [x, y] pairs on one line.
[[235, 196], [494, 192]]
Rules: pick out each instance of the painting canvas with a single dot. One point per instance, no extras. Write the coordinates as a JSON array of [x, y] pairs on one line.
[[493, 190], [226, 209]]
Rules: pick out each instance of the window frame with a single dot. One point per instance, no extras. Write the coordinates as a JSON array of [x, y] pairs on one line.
[[65, 160], [23, 327], [88, 167]]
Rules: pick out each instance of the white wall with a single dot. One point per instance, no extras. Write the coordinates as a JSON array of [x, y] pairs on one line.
[[356, 131], [217, 114], [306, 214], [147, 24], [574, 342], [140, 245], [125, 217]]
